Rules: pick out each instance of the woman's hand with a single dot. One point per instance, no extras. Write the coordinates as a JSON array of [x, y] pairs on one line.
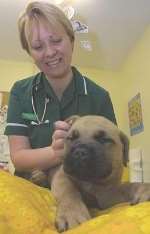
[[25, 158], [61, 129]]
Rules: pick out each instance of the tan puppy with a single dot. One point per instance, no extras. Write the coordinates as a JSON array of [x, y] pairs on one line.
[[95, 153]]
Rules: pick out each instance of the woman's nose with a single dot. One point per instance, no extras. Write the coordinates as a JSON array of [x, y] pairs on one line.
[[50, 51]]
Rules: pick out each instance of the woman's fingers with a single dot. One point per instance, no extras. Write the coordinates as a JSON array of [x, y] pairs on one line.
[[61, 125], [61, 129], [59, 134], [58, 144]]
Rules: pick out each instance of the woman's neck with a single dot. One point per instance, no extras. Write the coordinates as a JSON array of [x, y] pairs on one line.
[[60, 84]]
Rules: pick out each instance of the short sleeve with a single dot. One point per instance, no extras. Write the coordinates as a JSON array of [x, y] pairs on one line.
[[15, 124]]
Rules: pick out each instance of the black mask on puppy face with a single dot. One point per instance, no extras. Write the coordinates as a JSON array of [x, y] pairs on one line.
[[86, 158]]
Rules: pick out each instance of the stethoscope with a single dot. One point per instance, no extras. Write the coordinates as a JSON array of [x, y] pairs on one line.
[[47, 99]]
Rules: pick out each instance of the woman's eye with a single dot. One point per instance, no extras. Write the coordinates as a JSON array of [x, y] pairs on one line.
[[36, 47], [56, 41]]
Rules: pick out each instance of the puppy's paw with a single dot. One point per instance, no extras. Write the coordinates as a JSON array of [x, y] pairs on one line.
[[141, 194], [71, 215]]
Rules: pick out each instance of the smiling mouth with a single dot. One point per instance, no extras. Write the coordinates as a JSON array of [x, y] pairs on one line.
[[53, 63]]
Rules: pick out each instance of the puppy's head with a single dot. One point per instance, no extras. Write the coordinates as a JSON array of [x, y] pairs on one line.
[[95, 149]]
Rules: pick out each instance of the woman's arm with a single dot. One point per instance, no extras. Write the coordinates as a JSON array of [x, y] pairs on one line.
[[25, 159]]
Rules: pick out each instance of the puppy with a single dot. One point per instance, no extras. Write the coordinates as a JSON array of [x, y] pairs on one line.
[[90, 176]]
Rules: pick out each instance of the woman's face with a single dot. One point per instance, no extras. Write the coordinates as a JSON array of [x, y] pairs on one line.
[[51, 49]]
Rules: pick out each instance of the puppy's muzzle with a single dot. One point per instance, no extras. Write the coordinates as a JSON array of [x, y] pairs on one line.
[[87, 161]]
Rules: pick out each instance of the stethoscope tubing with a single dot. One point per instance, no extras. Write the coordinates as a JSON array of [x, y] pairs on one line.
[[44, 111], [41, 121]]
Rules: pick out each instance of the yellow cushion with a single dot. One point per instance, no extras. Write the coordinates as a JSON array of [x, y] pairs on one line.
[[28, 209]]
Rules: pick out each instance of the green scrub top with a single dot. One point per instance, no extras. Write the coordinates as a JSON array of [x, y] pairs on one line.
[[81, 97]]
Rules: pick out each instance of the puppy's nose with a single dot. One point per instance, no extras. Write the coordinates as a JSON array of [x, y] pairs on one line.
[[81, 162], [80, 154]]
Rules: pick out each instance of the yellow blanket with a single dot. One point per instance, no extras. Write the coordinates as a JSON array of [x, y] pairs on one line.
[[28, 209]]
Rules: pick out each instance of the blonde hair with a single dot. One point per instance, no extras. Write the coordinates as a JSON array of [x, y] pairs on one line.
[[42, 10]]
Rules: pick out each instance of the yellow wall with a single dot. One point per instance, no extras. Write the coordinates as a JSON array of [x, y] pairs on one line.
[[135, 77], [10, 71]]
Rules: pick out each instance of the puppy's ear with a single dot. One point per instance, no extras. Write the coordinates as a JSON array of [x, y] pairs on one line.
[[125, 142], [72, 119]]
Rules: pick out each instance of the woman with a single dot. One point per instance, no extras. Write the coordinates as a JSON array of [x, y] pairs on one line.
[[40, 104]]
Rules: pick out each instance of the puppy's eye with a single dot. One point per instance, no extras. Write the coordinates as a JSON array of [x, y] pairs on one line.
[[73, 135], [104, 140], [102, 137]]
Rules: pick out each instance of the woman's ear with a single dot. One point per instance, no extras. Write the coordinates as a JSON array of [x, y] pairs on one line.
[[70, 120], [125, 142]]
